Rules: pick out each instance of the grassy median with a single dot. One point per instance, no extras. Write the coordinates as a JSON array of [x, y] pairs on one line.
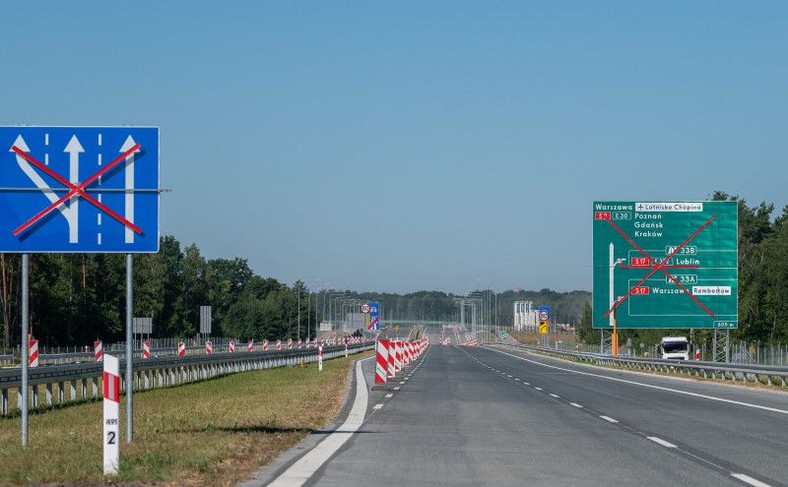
[[216, 432]]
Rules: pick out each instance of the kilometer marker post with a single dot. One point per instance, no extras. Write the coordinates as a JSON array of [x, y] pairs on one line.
[[111, 415]]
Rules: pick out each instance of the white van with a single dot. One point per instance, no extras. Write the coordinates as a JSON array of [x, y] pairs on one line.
[[676, 348]]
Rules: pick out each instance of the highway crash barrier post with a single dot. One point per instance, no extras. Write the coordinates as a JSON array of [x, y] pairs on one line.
[[98, 350]]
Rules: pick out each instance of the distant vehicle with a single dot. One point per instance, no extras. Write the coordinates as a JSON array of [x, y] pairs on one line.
[[675, 348]]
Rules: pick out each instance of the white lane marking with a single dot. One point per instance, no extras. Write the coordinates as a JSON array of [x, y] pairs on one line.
[[527, 383], [389, 395], [555, 396], [609, 419], [662, 442], [576, 405], [396, 388], [402, 382], [518, 380], [649, 386], [306, 466], [749, 480], [377, 406], [509, 376], [538, 388]]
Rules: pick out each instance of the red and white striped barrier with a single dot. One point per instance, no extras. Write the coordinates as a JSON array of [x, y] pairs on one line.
[[208, 347], [300, 343], [391, 370], [232, 346], [381, 361], [265, 345], [98, 350], [145, 349], [397, 356], [32, 355], [250, 346], [181, 349], [279, 345], [289, 343]]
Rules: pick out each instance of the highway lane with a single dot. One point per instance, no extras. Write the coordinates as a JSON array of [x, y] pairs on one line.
[[471, 416]]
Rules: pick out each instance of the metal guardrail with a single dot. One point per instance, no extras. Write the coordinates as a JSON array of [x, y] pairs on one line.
[[82, 380], [765, 374]]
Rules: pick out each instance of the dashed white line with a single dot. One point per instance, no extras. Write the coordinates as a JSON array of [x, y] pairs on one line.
[[518, 380], [609, 419], [377, 406], [749, 480], [389, 395], [396, 388], [662, 442], [538, 388], [555, 396], [579, 406]]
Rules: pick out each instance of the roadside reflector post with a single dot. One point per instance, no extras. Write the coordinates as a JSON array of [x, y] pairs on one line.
[[111, 414]]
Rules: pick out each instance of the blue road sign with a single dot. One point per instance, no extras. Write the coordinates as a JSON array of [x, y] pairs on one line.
[[374, 316], [79, 189], [544, 313]]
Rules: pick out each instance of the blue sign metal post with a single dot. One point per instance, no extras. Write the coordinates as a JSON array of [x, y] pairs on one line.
[[79, 189]]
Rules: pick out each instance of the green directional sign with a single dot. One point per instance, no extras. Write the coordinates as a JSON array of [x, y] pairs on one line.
[[670, 264]]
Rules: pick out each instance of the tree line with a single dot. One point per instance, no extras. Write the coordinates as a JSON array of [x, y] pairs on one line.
[[76, 298]]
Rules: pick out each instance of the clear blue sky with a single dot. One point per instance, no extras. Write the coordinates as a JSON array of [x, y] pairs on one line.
[[399, 146]]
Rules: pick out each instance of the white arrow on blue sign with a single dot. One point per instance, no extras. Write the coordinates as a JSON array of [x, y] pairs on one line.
[[79, 189]]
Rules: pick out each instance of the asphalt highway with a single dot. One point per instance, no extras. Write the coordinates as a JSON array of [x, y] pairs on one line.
[[499, 416]]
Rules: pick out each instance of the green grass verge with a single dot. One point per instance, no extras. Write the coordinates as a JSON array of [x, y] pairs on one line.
[[216, 432]]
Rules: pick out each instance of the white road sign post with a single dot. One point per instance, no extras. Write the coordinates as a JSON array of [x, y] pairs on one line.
[[111, 414]]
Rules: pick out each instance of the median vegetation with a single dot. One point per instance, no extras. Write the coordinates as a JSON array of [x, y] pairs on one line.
[[217, 432]]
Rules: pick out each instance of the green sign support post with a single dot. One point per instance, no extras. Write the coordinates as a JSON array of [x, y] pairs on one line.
[[665, 264]]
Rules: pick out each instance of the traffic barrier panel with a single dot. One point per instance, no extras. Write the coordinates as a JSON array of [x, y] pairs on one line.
[[391, 370], [208, 347], [146, 349], [300, 343], [381, 361], [397, 356], [232, 346], [32, 356], [279, 345], [98, 350], [289, 343], [181, 349], [265, 345], [250, 346]]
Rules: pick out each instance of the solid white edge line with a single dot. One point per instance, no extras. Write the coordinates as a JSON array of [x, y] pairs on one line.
[[650, 386], [750, 480], [662, 442], [306, 466], [609, 419]]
